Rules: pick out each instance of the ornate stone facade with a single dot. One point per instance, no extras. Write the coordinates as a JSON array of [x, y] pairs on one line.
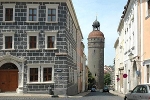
[[59, 58]]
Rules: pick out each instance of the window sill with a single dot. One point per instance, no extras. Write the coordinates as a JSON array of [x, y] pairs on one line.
[[40, 82], [51, 22], [32, 21], [8, 49], [61, 54], [50, 48], [8, 21], [32, 49]]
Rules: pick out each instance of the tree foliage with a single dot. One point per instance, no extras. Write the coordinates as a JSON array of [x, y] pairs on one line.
[[91, 80], [107, 79]]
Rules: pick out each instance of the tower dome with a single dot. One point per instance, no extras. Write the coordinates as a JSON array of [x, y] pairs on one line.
[[96, 33], [96, 24]]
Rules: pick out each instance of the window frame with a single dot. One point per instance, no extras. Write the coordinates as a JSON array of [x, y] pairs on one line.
[[28, 71], [42, 72], [51, 6], [32, 41], [33, 33], [11, 5], [51, 33], [8, 34], [36, 6], [33, 74]]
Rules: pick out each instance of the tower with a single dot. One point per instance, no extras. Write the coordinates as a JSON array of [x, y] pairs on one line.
[[96, 42]]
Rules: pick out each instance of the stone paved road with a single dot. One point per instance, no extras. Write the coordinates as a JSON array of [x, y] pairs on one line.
[[90, 96]]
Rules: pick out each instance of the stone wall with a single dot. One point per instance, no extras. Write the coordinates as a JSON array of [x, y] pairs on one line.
[[96, 60], [66, 37]]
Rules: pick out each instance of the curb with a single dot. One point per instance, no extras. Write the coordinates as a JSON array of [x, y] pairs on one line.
[[43, 95], [117, 94]]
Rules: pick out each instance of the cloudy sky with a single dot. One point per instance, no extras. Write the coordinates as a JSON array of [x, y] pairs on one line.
[[108, 14]]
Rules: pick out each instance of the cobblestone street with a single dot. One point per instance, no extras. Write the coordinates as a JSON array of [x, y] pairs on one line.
[[90, 96]]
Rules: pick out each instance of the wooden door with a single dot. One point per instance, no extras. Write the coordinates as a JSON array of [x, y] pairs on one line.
[[3, 80], [8, 80]]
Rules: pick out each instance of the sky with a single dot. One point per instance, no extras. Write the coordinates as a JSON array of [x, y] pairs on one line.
[[108, 13]]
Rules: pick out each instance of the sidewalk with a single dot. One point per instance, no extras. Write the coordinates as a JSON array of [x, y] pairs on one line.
[[117, 93], [46, 95]]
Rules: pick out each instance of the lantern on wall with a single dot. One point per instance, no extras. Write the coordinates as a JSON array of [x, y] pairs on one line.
[[125, 75]]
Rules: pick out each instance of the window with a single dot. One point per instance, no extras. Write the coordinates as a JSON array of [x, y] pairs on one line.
[[9, 12], [8, 40], [50, 41], [147, 73], [47, 74], [32, 39], [33, 74], [40, 73], [32, 12], [140, 89], [144, 89], [52, 13], [137, 89], [50, 38]]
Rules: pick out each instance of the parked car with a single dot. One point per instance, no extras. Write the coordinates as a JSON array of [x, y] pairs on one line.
[[105, 89], [140, 92], [93, 89]]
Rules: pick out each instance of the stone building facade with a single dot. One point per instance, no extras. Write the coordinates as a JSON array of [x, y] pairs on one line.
[[38, 46], [96, 54]]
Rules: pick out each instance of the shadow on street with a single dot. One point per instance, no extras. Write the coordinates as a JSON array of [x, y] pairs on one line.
[[100, 94]]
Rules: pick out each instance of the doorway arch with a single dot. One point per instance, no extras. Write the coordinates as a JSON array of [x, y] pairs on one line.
[[8, 77]]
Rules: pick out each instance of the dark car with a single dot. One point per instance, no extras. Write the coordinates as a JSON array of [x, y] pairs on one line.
[[105, 89], [93, 89]]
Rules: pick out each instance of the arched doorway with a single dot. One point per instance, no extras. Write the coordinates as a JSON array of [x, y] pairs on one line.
[[8, 77]]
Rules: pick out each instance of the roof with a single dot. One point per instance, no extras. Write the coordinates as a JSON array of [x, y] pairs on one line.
[[125, 9], [96, 34]]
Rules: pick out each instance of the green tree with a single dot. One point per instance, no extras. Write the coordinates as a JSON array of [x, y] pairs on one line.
[[107, 79], [91, 80]]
